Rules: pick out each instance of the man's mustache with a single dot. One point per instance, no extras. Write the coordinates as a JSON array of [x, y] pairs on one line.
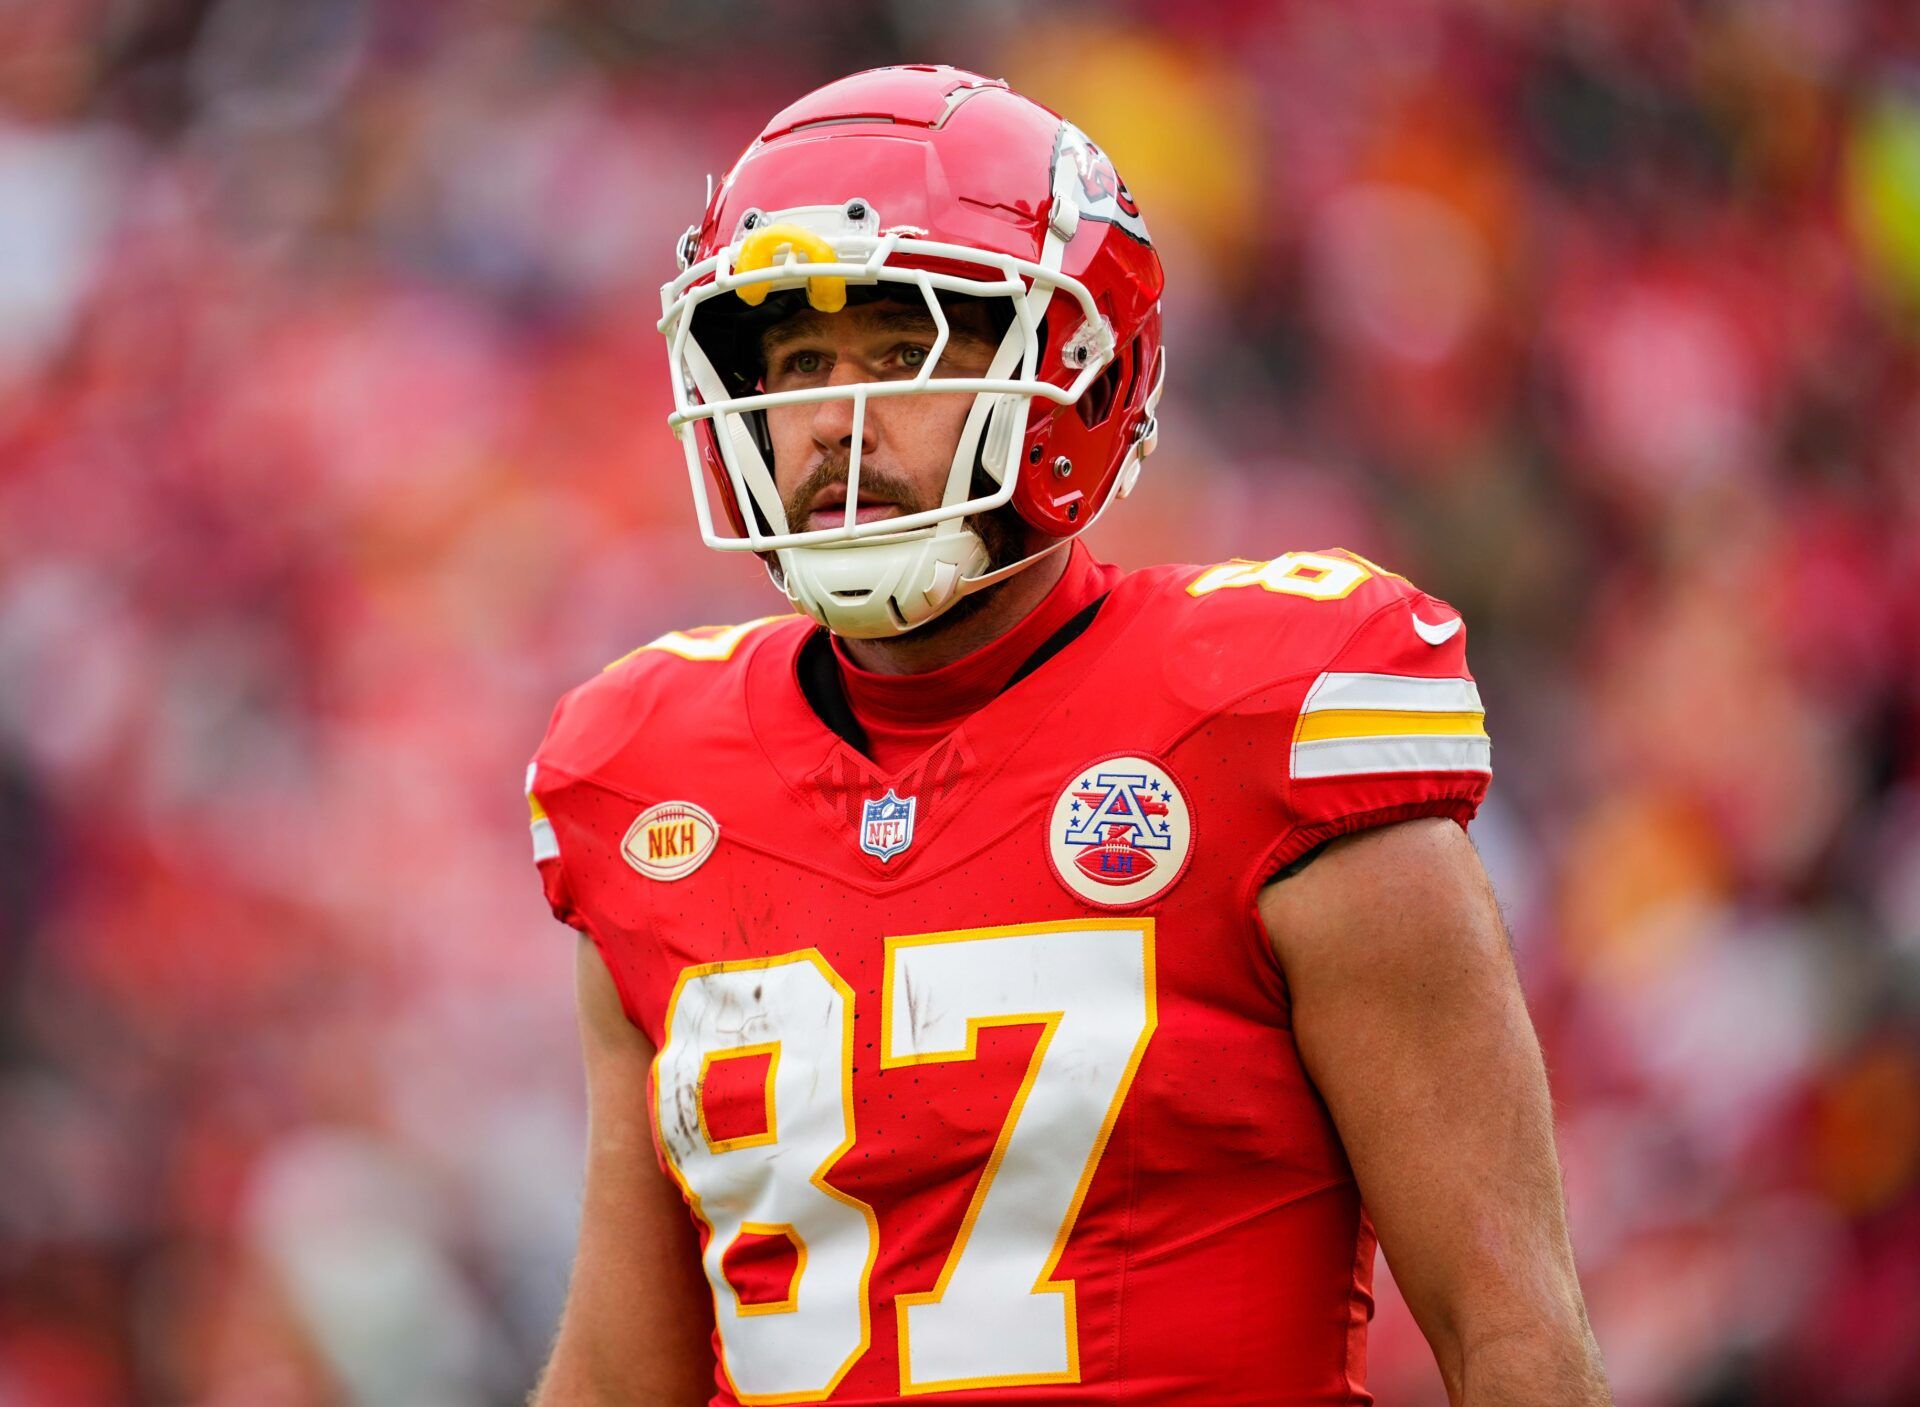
[[873, 484]]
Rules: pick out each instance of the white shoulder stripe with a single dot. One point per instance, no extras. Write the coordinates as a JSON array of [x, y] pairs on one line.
[[546, 845], [1392, 691], [1347, 757]]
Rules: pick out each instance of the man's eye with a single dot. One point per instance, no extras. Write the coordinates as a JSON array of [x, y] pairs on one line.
[[913, 356], [805, 363]]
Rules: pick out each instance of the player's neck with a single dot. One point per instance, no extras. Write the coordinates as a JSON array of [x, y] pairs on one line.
[[1008, 604]]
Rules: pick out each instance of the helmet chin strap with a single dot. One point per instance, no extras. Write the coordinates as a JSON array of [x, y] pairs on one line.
[[872, 590], [912, 582]]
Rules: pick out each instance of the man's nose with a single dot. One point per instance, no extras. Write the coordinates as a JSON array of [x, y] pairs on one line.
[[833, 419]]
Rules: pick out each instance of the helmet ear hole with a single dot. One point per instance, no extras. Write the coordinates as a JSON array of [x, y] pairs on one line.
[[1134, 359], [1096, 403]]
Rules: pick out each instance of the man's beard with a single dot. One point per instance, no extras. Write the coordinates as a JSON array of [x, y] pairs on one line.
[[1002, 531]]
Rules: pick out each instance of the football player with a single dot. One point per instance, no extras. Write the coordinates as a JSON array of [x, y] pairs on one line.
[[1008, 976]]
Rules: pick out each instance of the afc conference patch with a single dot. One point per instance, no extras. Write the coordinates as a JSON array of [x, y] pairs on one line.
[[886, 825], [1120, 832]]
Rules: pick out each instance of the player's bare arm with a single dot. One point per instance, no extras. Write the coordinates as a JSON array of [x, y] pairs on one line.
[[637, 1323], [1410, 1019]]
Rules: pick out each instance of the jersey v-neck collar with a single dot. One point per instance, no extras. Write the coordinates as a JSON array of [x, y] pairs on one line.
[[812, 760], [901, 716]]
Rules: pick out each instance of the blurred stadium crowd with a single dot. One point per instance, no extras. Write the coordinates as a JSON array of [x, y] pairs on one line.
[[332, 450]]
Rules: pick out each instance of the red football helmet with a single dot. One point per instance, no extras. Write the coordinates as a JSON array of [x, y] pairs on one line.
[[926, 183]]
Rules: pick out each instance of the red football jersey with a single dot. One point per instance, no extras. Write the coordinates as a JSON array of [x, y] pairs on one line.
[[978, 1076]]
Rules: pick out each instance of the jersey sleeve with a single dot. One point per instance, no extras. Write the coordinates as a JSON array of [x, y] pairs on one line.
[[1390, 730], [574, 825], [546, 854]]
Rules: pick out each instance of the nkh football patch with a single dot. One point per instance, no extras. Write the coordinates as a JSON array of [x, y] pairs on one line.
[[886, 825], [670, 841], [1121, 832]]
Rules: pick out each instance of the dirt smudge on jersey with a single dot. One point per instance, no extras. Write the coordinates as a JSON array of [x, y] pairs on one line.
[[914, 1025], [682, 1132]]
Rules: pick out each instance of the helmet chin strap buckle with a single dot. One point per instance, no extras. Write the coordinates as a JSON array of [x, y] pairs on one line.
[[875, 590]]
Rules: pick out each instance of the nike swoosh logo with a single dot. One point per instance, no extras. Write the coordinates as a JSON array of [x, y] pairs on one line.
[[1436, 634]]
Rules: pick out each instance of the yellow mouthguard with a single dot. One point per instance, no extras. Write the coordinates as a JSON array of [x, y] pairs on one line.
[[759, 250]]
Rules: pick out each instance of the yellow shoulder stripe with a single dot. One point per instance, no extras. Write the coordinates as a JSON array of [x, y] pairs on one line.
[[1381, 722]]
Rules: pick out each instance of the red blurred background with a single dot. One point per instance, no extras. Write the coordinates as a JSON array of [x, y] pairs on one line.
[[332, 449]]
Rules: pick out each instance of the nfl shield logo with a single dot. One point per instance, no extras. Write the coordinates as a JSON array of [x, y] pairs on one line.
[[886, 825]]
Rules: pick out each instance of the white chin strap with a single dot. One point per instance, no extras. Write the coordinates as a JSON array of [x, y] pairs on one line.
[[869, 590]]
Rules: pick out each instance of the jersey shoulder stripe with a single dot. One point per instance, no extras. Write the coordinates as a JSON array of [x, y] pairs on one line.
[[546, 845], [1352, 724]]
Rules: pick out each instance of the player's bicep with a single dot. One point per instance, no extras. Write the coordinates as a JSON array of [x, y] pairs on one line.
[[1410, 1019], [639, 1320]]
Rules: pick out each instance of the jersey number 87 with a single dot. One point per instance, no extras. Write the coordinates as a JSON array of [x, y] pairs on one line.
[[995, 1316]]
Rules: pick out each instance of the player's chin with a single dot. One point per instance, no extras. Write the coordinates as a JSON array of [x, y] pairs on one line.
[[1005, 535], [1007, 539]]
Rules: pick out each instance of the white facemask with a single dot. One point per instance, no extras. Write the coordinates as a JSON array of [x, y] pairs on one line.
[[887, 576]]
